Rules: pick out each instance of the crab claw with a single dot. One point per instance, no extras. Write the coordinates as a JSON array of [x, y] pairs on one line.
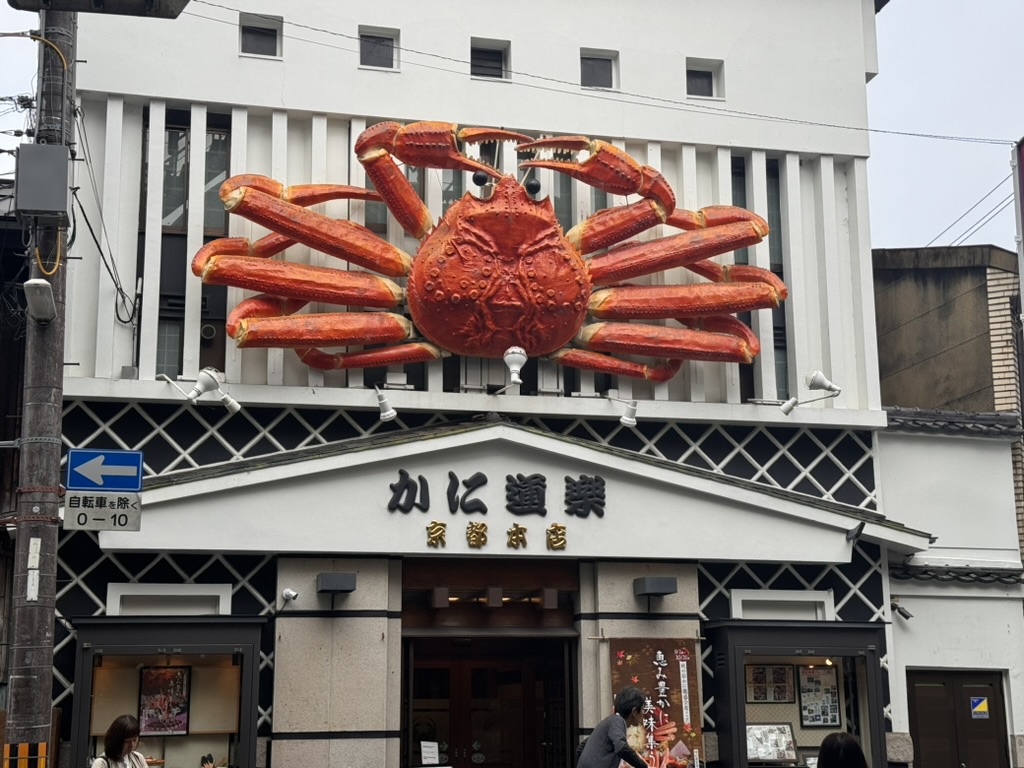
[[607, 168], [431, 144]]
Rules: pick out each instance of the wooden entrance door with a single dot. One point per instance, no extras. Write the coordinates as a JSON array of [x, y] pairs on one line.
[[488, 703], [957, 720]]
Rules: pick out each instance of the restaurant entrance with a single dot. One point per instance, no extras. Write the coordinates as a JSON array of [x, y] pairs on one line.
[[487, 702]]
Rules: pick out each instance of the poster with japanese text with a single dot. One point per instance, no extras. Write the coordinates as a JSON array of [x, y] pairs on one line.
[[668, 672]]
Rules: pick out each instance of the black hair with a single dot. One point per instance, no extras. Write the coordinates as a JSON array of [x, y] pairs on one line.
[[628, 699], [841, 750], [123, 728]]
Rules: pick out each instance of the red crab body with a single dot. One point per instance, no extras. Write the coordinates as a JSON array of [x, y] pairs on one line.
[[498, 273], [495, 272]]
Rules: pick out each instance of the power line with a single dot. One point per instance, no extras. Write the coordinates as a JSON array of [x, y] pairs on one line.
[[997, 186], [621, 97], [995, 211]]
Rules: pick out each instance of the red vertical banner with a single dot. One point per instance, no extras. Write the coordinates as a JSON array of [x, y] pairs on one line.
[[668, 672]]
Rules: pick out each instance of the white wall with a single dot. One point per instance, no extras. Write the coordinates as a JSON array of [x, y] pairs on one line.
[[960, 490], [795, 58]]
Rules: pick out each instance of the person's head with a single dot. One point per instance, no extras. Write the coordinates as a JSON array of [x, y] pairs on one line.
[[629, 703], [841, 750], [122, 737]]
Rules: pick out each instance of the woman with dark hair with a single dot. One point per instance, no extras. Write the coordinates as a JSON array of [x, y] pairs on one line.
[[841, 750], [119, 745]]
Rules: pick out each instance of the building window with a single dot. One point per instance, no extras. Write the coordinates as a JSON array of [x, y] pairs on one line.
[[489, 58], [260, 35], [597, 69], [562, 201], [176, 173], [378, 48], [177, 138], [704, 77], [452, 188], [375, 214]]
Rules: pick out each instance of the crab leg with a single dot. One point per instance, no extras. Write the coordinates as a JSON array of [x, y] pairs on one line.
[[334, 329], [626, 302], [663, 341], [595, 361], [302, 281], [413, 352], [427, 144], [340, 238], [682, 250]]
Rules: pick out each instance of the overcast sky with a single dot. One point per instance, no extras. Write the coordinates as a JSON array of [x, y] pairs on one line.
[[947, 67]]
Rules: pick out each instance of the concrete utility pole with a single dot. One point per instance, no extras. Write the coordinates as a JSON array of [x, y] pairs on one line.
[[38, 493]]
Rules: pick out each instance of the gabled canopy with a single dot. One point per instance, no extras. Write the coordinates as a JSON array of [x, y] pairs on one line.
[[393, 494]]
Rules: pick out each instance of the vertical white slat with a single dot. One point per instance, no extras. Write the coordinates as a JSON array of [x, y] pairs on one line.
[[237, 227], [801, 308], [652, 157], [687, 197], [624, 384], [126, 238], [150, 319], [764, 366], [722, 380], [864, 330], [194, 238], [279, 170], [317, 175], [357, 213], [339, 157], [109, 332], [435, 202], [831, 276]]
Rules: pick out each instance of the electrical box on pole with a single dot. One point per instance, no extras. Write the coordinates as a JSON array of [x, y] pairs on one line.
[[42, 184]]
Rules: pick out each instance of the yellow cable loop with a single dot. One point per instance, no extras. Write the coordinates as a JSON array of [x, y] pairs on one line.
[[56, 266], [37, 38]]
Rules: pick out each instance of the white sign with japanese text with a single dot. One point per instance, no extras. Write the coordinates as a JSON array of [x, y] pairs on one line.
[[92, 511]]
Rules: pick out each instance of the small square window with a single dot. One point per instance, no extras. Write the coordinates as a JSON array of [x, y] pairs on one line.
[[704, 77], [597, 70], [489, 59], [260, 35], [378, 48]]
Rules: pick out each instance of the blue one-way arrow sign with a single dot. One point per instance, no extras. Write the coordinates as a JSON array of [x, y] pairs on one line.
[[90, 470]]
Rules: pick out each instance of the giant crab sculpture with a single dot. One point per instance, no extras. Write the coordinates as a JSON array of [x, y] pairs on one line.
[[494, 272]]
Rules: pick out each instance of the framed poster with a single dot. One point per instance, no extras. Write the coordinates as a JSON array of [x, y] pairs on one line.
[[770, 684], [819, 697], [668, 673], [164, 694], [771, 743]]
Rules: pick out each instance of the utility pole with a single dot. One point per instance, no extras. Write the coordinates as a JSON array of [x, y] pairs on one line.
[[38, 493]]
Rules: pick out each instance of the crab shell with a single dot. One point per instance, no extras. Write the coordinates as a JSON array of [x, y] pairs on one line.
[[497, 273]]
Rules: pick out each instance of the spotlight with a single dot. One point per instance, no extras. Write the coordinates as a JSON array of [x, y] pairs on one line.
[[813, 380], [208, 380], [289, 594], [628, 417], [387, 413], [515, 358]]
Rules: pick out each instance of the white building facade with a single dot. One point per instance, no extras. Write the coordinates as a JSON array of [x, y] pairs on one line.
[[748, 541]]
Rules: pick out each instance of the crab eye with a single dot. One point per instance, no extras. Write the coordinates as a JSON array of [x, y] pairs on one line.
[[480, 178], [532, 187]]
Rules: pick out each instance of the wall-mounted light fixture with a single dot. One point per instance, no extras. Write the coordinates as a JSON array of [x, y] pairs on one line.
[[897, 608], [335, 583], [515, 358], [387, 413], [654, 586], [208, 380], [39, 298], [289, 594], [628, 417], [815, 381]]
